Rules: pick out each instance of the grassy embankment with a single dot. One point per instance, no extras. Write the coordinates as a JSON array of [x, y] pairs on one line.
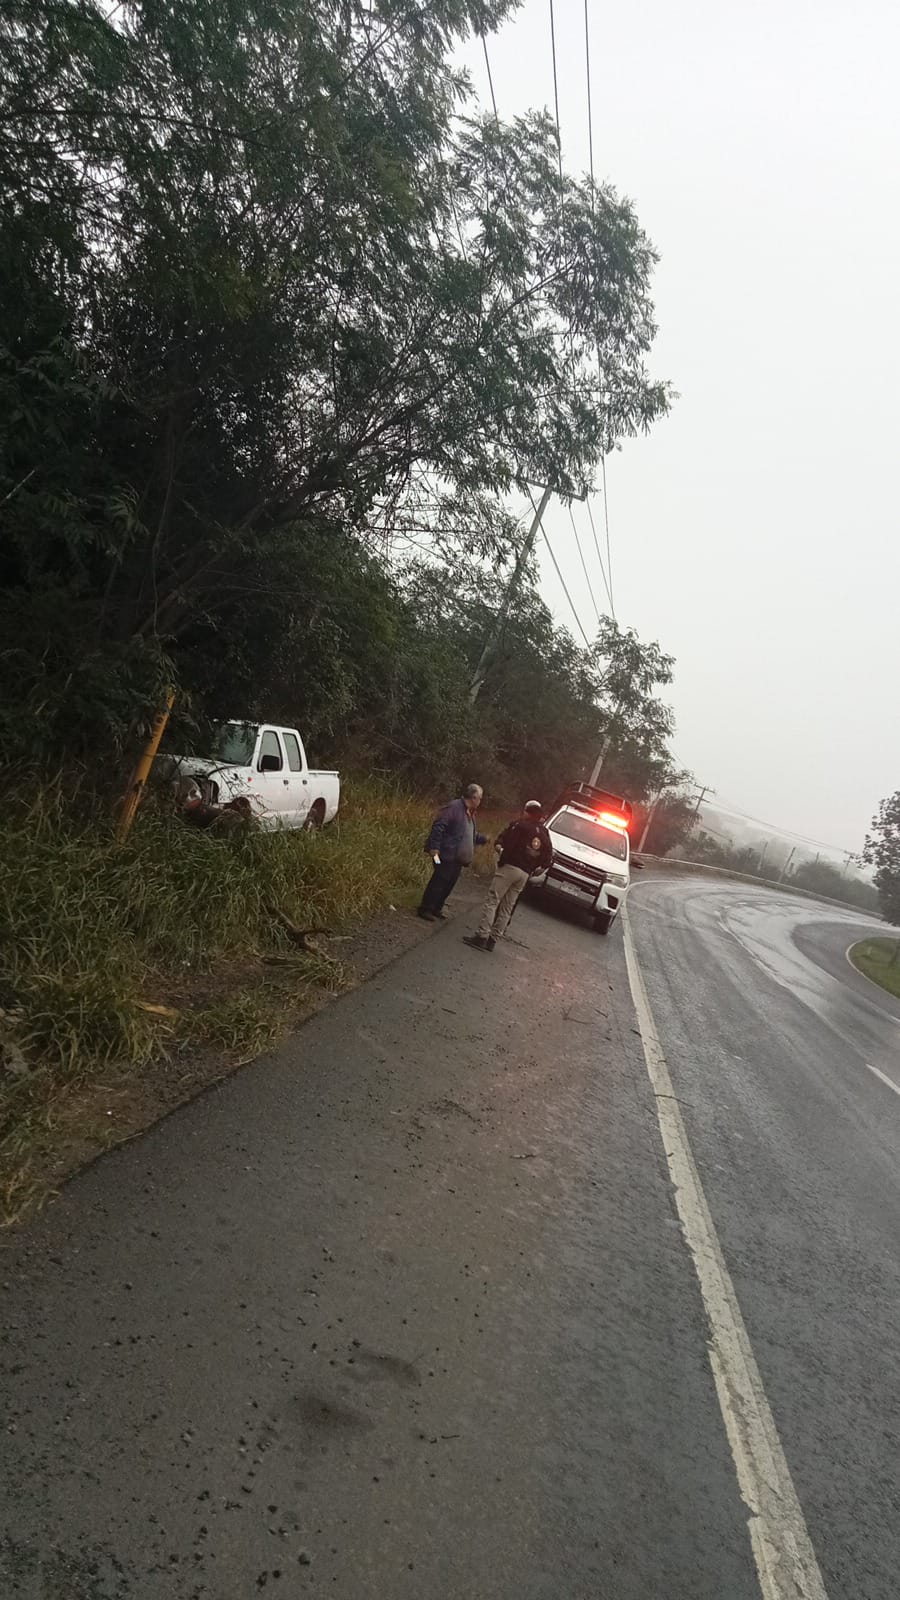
[[879, 959], [116, 958]]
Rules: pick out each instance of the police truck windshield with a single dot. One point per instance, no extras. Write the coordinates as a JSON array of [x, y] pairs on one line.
[[586, 830]]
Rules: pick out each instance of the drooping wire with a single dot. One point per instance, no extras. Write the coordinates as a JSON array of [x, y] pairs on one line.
[[587, 63], [587, 642], [490, 78], [606, 520], [600, 558], [590, 120], [584, 569], [556, 103]]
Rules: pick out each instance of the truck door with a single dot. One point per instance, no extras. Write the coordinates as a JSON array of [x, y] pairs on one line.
[[271, 780], [298, 785]]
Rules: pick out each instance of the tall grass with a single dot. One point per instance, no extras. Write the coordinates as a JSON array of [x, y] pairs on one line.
[[91, 930]]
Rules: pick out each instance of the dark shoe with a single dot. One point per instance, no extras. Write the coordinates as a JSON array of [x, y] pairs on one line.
[[427, 916], [473, 940], [491, 943]]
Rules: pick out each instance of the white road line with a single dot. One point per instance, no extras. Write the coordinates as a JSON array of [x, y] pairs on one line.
[[785, 1560], [875, 985], [884, 1077]]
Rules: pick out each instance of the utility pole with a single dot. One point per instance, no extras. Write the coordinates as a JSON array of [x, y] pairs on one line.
[[762, 857], [138, 784], [649, 823], [700, 799], [493, 639], [790, 858]]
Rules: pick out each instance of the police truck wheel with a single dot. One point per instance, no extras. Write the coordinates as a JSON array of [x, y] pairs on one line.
[[602, 920]]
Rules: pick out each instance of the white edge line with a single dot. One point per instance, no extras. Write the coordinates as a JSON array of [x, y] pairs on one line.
[[875, 985], [782, 1549], [884, 1077]]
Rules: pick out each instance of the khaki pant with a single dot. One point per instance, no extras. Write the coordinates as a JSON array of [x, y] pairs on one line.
[[508, 883]]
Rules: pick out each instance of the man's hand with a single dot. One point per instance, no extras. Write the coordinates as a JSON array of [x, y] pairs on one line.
[[436, 859]]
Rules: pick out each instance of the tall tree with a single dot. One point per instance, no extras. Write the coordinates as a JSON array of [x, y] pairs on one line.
[[260, 275], [882, 851]]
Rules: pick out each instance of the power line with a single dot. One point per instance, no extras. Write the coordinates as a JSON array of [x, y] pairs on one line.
[[584, 564], [587, 642], [556, 105], [562, 580], [590, 121], [607, 522], [490, 76], [600, 559], [786, 833], [587, 65], [487, 63]]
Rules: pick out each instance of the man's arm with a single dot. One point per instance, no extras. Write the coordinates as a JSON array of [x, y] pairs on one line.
[[438, 829], [546, 851]]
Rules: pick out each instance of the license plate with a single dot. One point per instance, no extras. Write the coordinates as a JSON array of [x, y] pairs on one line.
[[572, 888]]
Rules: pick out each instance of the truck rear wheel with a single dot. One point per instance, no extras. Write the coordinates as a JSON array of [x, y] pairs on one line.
[[316, 817], [602, 921]]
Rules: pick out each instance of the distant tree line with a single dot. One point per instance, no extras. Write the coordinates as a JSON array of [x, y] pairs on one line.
[[818, 876]]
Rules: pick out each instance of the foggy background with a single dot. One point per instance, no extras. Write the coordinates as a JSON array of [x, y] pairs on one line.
[[753, 532]]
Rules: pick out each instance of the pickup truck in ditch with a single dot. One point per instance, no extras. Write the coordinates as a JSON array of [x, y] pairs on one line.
[[259, 770]]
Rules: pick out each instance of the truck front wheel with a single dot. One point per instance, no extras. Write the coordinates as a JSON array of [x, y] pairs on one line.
[[602, 920]]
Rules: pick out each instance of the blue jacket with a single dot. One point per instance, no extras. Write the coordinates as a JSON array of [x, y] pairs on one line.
[[448, 832]]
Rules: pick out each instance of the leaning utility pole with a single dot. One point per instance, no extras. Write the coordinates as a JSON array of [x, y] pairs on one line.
[[649, 823], [493, 639], [700, 799], [790, 858], [604, 748]]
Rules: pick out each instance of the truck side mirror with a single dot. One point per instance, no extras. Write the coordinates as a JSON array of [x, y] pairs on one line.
[[270, 763]]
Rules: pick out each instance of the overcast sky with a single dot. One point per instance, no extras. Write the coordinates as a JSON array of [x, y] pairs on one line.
[[754, 532]]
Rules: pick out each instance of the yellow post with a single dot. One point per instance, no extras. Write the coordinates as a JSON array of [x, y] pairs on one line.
[[135, 791]]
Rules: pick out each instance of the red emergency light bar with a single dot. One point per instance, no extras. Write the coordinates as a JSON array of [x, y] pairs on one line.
[[610, 819], [601, 804]]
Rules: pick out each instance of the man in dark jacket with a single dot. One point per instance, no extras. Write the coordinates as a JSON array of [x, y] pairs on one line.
[[525, 848], [451, 845]]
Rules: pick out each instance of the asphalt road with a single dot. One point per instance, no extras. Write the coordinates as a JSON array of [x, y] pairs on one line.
[[405, 1309]]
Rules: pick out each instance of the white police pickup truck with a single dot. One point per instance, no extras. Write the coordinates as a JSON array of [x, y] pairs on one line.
[[592, 862], [262, 769]]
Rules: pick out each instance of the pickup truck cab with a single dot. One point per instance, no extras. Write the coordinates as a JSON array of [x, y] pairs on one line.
[[265, 764], [591, 864]]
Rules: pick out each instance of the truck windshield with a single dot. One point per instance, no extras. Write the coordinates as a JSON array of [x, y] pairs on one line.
[[234, 743], [574, 825]]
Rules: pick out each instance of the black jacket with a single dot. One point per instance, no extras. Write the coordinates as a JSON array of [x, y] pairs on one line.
[[525, 844]]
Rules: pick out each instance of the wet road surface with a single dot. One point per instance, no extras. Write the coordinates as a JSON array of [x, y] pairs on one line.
[[770, 1036], [405, 1309]]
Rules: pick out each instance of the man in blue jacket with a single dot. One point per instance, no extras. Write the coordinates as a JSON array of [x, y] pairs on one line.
[[451, 845]]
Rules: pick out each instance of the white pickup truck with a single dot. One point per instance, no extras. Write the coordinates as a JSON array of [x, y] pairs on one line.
[[592, 858], [265, 765]]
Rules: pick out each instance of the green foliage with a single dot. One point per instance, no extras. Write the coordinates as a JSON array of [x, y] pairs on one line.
[[266, 288], [817, 877], [879, 959], [670, 825], [882, 851], [91, 931], [823, 877]]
